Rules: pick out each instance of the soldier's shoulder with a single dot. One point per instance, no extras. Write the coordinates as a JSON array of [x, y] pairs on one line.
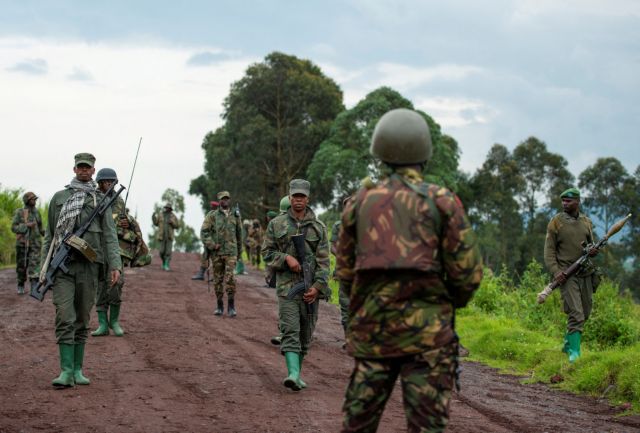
[[61, 195]]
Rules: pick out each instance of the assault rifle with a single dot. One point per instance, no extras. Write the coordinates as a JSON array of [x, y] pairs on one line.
[[577, 265], [73, 241], [302, 286]]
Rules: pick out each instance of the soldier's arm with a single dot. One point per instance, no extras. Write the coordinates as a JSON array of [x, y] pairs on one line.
[[239, 236], [112, 253], [550, 252], [173, 221], [461, 257], [51, 226], [321, 275], [207, 228], [346, 247], [272, 256], [154, 219], [17, 225], [39, 220]]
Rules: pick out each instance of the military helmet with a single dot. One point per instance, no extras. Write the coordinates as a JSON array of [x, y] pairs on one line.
[[401, 137], [28, 196], [106, 174], [285, 204]]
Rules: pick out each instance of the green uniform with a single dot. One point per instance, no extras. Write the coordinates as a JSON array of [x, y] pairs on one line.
[[75, 293], [562, 247], [343, 296], [221, 234], [408, 257], [167, 222], [28, 243], [295, 324], [255, 243]]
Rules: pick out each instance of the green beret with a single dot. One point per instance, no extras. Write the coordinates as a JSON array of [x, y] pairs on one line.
[[570, 193], [84, 158], [223, 194], [299, 186]]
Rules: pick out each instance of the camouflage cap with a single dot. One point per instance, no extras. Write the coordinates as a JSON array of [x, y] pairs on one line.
[[28, 196], [84, 158], [223, 194], [571, 193], [299, 186]]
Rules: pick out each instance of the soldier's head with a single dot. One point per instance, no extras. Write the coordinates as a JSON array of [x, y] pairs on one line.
[[570, 200], [401, 138], [256, 223], [105, 178], [299, 190], [84, 166], [29, 199], [285, 204], [168, 207], [225, 199], [214, 205]]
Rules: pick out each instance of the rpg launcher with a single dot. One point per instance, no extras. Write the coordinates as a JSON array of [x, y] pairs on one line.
[[302, 286], [577, 265], [74, 241]]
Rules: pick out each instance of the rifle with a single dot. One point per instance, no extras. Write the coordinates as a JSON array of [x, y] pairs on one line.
[[135, 161], [302, 286], [577, 265], [73, 241]]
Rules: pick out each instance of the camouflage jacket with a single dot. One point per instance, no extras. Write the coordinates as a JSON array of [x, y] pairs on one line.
[[23, 233], [224, 230], [408, 257], [277, 245], [255, 236], [133, 249], [166, 222], [563, 244]]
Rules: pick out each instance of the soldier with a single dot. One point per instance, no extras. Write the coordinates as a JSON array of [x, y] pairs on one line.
[[75, 292], [221, 234], [27, 225], [204, 257], [255, 242], [296, 322], [566, 233], [166, 222], [408, 258], [343, 296]]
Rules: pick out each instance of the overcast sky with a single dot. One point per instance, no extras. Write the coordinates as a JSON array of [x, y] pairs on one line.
[[96, 76]]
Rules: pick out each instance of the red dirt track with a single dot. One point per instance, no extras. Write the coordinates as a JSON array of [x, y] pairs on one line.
[[180, 369]]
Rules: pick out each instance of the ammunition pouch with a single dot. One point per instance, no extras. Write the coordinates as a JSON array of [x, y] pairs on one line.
[[82, 246]]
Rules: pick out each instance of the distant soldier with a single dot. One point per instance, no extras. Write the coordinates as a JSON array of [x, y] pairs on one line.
[[221, 234], [204, 257], [167, 222], [568, 233], [296, 321], [408, 256], [255, 242], [343, 295], [74, 292], [27, 225]]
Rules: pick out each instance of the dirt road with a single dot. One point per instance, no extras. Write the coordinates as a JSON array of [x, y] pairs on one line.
[[181, 369]]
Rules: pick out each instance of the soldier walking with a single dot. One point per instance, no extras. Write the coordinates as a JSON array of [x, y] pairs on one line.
[[204, 257], [167, 223], [221, 234], [74, 293], [408, 258], [296, 322], [27, 225]]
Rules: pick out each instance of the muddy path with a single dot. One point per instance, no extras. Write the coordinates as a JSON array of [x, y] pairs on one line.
[[181, 369]]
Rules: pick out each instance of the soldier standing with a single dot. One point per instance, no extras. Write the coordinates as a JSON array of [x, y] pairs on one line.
[[296, 323], [27, 225], [166, 222], [221, 234], [343, 296], [255, 242], [204, 257], [408, 257], [567, 233], [74, 293]]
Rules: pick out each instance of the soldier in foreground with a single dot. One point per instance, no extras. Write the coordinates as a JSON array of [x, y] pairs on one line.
[[74, 293], [408, 257], [204, 257], [167, 223], [221, 234], [567, 235], [27, 225], [297, 314]]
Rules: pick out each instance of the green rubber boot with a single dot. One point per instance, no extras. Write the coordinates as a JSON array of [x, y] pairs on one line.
[[300, 381], [103, 325], [114, 314], [565, 344], [78, 357], [574, 345], [66, 366], [292, 381]]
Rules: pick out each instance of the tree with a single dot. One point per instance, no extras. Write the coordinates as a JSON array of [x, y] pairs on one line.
[[186, 238], [276, 116]]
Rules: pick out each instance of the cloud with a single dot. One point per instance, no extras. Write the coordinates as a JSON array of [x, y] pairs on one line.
[[31, 66], [80, 74], [206, 58], [456, 112]]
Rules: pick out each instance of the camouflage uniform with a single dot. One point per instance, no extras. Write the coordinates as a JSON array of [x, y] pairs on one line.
[[343, 296], [28, 242], [166, 222], [255, 242], [223, 229]]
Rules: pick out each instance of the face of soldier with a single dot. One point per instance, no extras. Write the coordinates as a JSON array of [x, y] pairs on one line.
[[224, 203], [570, 205], [299, 202], [31, 202], [84, 172], [104, 185]]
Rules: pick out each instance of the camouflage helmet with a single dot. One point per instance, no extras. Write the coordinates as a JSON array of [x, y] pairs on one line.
[[28, 196], [285, 204], [106, 174], [401, 137]]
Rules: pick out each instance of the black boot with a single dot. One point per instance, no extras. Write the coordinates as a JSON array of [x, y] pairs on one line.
[[220, 308], [231, 310], [200, 274]]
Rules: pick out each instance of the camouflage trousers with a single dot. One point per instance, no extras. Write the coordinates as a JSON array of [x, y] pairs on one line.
[[343, 301], [577, 294], [165, 247], [30, 268], [204, 259], [108, 294], [295, 324], [426, 378], [254, 255], [223, 267]]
